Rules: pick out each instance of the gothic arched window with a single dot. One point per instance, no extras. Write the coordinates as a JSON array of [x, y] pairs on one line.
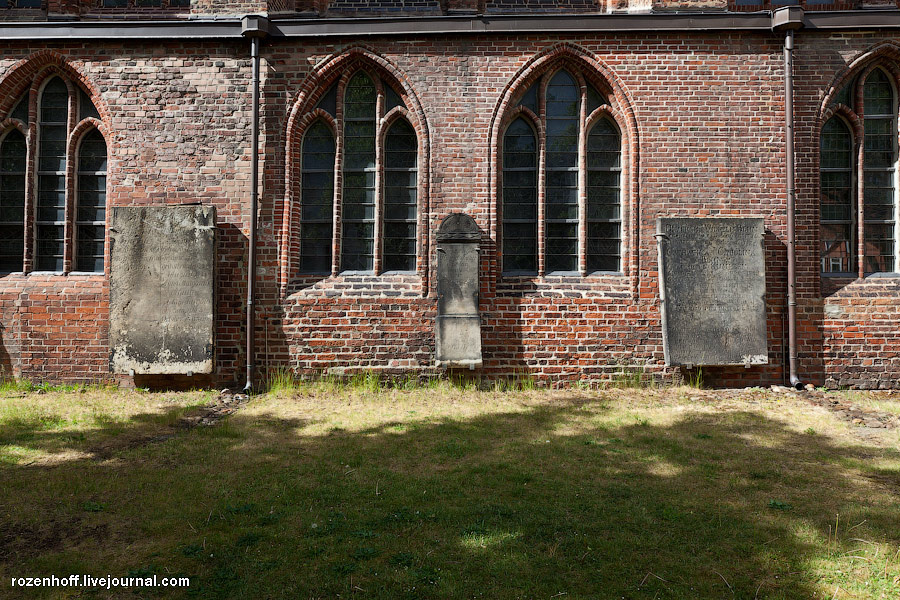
[[561, 190], [65, 233], [374, 196], [847, 197]]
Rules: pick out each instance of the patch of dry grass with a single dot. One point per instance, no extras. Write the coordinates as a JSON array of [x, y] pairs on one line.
[[328, 490]]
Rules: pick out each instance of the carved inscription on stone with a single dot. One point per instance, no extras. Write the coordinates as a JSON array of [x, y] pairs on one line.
[[162, 289], [712, 291], [458, 325]]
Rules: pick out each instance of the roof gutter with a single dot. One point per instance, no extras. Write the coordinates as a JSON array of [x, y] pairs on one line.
[[232, 27]]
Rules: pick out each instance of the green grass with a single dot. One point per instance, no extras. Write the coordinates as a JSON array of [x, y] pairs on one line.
[[450, 491]]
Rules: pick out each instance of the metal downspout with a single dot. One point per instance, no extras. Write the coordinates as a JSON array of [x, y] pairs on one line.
[[791, 197], [255, 28]]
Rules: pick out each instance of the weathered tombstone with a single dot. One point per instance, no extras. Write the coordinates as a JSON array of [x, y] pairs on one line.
[[712, 291], [162, 289], [458, 326]]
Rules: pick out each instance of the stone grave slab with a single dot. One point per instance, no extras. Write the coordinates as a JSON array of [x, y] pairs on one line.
[[458, 324], [162, 290], [712, 290]]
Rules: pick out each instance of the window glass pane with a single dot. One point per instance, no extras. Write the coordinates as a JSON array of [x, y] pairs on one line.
[[317, 199], [20, 112], [358, 246], [391, 98], [315, 247], [50, 209], [562, 96], [519, 198], [563, 114], [603, 197], [55, 102], [400, 195], [90, 213], [86, 108], [49, 251], [13, 153], [594, 99], [879, 160], [92, 152], [837, 248], [12, 244], [529, 99], [358, 195], [520, 247], [878, 95], [836, 145], [328, 103], [844, 96], [879, 143], [360, 98], [89, 249], [836, 202], [51, 196], [12, 201], [562, 246], [879, 246]]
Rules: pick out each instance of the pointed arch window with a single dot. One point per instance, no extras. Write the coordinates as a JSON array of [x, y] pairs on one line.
[[369, 209], [317, 202], [65, 233], [90, 209], [846, 247], [13, 152], [50, 223], [561, 193]]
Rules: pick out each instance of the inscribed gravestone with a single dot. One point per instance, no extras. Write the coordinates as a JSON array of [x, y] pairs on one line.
[[712, 291], [162, 289], [458, 325]]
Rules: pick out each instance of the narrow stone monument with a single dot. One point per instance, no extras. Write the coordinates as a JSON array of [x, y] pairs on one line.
[[712, 291], [458, 324], [162, 290]]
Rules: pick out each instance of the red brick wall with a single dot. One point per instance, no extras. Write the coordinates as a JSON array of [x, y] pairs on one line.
[[708, 145], [177, 123], [851, 327], [702, 121]]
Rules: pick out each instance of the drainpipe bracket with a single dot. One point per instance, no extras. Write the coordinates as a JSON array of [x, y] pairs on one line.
[[787, 17]]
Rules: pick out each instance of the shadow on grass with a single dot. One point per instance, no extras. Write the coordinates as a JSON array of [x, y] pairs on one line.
[[552, 501]]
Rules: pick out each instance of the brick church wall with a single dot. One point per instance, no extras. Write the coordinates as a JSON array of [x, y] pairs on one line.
[[707, 139]]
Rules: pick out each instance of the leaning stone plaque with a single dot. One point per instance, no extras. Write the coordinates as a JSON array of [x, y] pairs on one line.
[[712, 291], [458, 324], [162, 289]]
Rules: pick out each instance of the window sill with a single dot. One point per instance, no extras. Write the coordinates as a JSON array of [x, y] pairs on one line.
[[356, 283], [556, 275], [66, 273]]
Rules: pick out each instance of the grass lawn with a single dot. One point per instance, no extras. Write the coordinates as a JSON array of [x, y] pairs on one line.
[[325, 492]]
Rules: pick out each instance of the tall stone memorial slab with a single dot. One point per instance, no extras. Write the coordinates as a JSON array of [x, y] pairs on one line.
[[458, 323], [162, 290], [712, 290]]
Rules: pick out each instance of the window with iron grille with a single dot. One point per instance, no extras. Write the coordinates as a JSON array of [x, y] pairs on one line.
[[64, 236], [561, 191], [374, 197], [845, 247]]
